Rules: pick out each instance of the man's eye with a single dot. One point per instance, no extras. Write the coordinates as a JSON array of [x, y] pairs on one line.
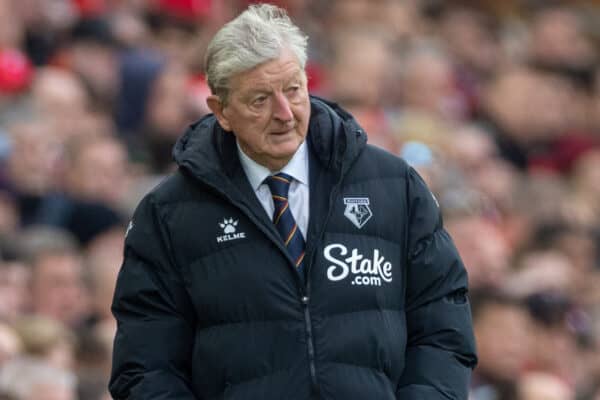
[[259, 100]]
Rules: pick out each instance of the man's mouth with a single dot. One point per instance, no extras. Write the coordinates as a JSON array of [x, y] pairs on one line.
[[283, 132]]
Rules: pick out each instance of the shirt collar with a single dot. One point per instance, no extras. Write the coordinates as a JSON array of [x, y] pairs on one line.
[[297, 167]]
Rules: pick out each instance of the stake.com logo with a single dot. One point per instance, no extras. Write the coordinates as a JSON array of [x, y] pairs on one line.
[[365, 271]]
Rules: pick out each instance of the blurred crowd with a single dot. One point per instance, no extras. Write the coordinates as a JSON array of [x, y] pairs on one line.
[[495, 103]]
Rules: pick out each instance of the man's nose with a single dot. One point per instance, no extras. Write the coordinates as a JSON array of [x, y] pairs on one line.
[[282, 110]]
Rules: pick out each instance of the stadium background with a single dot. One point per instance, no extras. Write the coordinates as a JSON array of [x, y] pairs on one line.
[[496, 103]]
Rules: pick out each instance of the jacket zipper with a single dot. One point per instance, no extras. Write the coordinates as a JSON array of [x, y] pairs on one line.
[[306, 297]]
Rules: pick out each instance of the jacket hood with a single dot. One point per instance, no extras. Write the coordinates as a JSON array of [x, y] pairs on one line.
[[208, 152]]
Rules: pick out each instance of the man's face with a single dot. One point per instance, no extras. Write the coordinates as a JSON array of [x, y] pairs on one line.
[[503, 341], [57, 288], [268, 110]]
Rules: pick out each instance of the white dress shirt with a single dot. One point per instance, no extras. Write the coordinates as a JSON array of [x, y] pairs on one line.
[[297, 168]]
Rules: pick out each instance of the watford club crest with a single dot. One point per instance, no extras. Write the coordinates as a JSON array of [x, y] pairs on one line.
[[357, 210]]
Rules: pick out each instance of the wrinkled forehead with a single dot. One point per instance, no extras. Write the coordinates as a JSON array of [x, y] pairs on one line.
[[271, 74]]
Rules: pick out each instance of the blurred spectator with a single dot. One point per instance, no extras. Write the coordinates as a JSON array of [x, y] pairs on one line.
[[549, 311], [487, 261], [30, 379], [96, 170], [94, 56], [48, 340], [541, 271], [509, 101], [503, 344], [139, 69], [168, 112], [426, 84], [342, 73], [475, 154], [31, 169], [558, 38], [473, 41], [57, 289], [61, 100], [46, 23], [363, 101]]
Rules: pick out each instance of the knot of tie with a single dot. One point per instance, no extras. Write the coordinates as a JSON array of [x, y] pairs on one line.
[[279, 184]]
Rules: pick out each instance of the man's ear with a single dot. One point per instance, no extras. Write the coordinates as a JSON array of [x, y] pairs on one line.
[[216, 106]]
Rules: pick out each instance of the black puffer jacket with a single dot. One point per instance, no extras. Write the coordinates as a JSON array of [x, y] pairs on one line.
[[209, 305]]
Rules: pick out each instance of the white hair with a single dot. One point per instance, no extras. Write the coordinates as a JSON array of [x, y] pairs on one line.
[[257, 35]]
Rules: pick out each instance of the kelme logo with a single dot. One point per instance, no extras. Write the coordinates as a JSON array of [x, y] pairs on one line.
[[229, 227]]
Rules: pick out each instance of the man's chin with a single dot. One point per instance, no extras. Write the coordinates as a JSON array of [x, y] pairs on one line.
[[285, 144], [281, 155]]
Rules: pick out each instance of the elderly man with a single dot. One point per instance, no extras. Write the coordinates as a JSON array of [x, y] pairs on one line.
[[286, 258]]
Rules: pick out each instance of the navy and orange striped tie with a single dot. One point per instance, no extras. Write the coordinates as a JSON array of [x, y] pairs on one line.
[[284, 220]]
